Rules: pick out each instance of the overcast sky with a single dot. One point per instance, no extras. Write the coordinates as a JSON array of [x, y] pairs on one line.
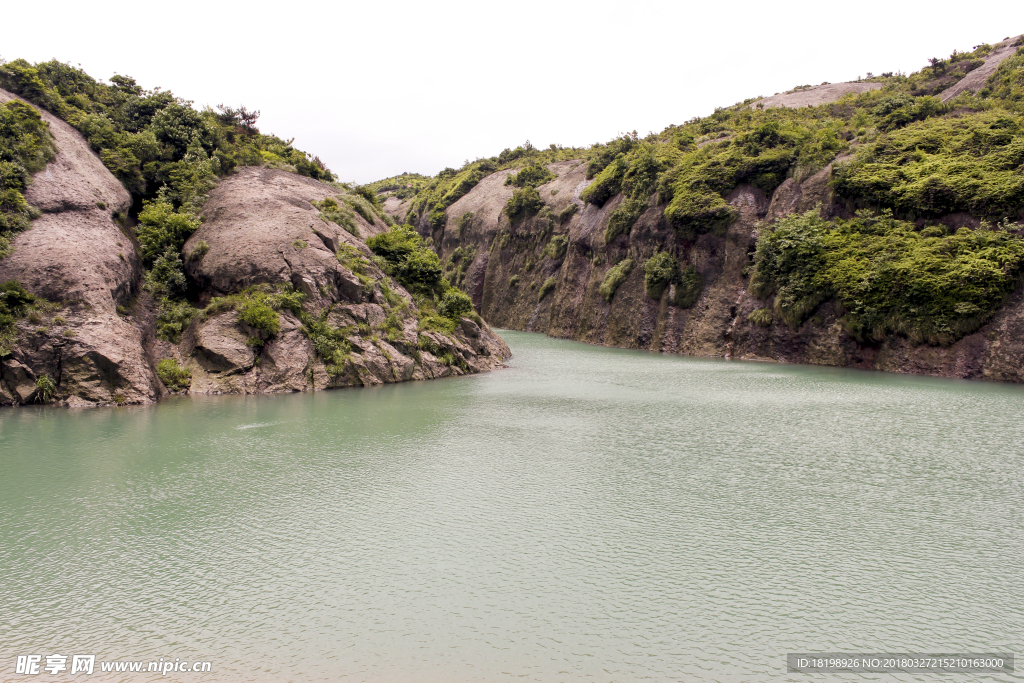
[[378, 88]]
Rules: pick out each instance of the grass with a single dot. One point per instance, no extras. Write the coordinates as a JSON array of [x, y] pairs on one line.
[[546, 288], [615, 276]]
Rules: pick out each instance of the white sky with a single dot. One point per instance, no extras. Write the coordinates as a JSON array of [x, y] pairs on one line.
[[378, 88]]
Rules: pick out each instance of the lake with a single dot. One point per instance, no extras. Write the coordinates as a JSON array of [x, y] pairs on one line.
[[587, 514]]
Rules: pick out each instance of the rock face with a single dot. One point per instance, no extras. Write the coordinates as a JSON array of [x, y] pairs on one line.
[[77, 255], [505, 266], [261, 228], [97, 345]]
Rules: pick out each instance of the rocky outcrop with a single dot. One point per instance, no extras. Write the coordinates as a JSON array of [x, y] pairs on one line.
[[261, 229], [79, 257], [95, 341], [506, 266], [976, 78], [815, 95]]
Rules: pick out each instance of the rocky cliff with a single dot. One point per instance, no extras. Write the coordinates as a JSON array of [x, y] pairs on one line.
[[506, 266], [566, 269], [321, 312]]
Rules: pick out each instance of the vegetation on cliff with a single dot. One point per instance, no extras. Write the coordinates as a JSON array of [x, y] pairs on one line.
[[26, 146], [888, 276], [165, 152], [900, 162]]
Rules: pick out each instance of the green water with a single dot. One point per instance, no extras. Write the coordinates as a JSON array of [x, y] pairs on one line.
[[589, 514]]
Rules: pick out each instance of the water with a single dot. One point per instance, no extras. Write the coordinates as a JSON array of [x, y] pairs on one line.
[[589, 514]]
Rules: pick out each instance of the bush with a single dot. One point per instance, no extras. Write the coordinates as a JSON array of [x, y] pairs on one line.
[[161, 228], [888, 277], [523, 204], [615, 276], [971, 163], [173, 317], [408, 259], [660, 271], [173, 375], [762, 317], [531, 176], [167, 276], [546, 288], [261, 316], [689, 288], [25, 147], [329, 343], [454, 304], [624, 217], [607, 183], [340, 215], [557, 247], [45, 389], [257, 306], [567, 213]]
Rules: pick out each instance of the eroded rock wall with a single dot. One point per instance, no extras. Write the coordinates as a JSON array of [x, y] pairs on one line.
[[78, 256], [505, 268]]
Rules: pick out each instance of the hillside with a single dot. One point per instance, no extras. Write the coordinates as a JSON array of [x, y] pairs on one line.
[[875, 224], [148, 248]]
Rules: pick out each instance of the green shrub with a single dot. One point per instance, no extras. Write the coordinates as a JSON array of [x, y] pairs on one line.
[[615, 276], [45, 389], [568, 212], [26, 146], [531, 176], [465, 221], [409, 260], [523, 204], [167, 278], [161, 228], [199, 251], [454, 304], [607, 184], [436, 323], [174, 376], [624, 217], [689, 288], [261, 316], [257, 305], [340, 215], [331, 344], [547, 288], [513, 281], [971, 163], [557, 247], [888, 277], [660, 271], [173, 317], [761, 317]]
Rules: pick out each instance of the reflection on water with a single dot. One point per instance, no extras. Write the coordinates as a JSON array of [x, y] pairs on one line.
[[587, 514]]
